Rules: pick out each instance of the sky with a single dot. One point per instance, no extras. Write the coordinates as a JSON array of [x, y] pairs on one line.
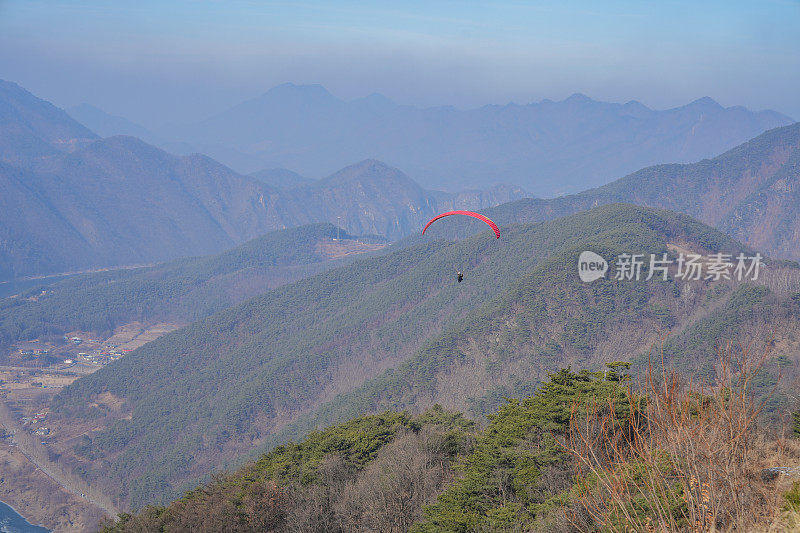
[[169, 61]]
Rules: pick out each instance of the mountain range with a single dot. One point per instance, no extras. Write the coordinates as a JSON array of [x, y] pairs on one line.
[[106, 125], [33, 130], [73, 201], [751, 192], [398, 331], [548, 148]]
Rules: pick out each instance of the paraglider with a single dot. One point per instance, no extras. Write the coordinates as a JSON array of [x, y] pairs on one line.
[[469, 214], [459, 275]]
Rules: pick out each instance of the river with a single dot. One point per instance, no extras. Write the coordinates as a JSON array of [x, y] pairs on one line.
[[13, 522]]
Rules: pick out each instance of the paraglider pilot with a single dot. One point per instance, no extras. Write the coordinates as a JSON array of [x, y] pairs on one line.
[[459, 275]]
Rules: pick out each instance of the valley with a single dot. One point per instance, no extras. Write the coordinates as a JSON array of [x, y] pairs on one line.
[[38, 447], [41, 499], [10, 288], [35, 479]]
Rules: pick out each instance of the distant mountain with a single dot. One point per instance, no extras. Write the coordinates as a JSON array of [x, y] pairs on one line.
[[281, 178], [35, 236], [372, 197], [72, 201], [398, 330], [107, 125], [179, 291], [548, 148], [32, 130], [751, 192], [120, 201], [479, 199]]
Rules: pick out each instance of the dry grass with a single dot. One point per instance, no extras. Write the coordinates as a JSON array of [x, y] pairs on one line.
[[690, 457]]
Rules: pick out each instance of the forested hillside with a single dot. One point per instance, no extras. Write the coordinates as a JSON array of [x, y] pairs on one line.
[[317, 352], [548, 462], [180, 291], [550, 317], [367, 267]]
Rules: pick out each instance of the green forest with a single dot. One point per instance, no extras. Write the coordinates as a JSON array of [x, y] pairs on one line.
[[280, 365], [542, 463], [183, 290]]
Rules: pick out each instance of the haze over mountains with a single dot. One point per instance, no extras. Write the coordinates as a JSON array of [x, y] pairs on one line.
[[107, 125], [751, 192], [547, 148], [74, 201], [32, 129], [220, 313]]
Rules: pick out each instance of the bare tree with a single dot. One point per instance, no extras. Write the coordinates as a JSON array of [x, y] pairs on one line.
[[390, 493], [688, 458]]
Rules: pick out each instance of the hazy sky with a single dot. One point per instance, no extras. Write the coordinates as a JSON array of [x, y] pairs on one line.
[[161, 61]]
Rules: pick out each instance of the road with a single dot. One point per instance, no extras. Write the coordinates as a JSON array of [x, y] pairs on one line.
[[30, 446], [71, 371], [75, 272]]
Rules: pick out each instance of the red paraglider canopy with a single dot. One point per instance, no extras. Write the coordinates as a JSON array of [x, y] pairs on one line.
[[469, 214]]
